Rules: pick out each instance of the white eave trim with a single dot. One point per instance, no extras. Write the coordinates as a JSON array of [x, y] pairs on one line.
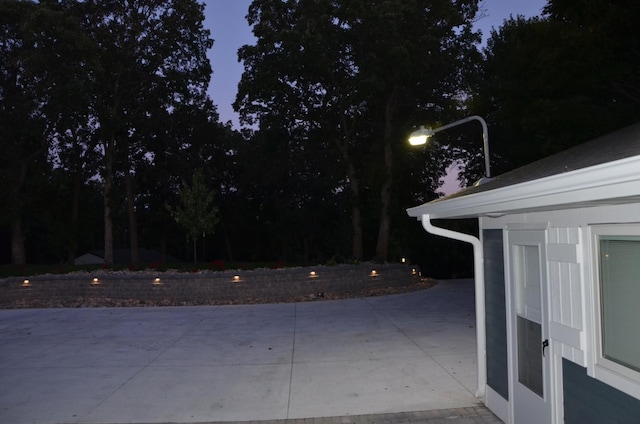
[[611, 182]]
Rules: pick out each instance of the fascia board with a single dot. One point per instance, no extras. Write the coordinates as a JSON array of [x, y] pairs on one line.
[[612, 181]]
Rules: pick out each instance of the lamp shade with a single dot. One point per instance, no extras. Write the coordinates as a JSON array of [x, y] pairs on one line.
[[420, 136]]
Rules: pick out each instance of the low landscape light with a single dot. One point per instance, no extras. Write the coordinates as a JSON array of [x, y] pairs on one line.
[[374, 273], [156, 281], [95, 281], [313, 274], [26, 283], [236, 279]]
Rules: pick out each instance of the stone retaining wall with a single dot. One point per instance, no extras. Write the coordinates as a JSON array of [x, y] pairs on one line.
[[148, 288]]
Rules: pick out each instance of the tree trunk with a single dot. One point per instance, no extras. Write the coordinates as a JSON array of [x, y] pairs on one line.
[[195, 251], [18, 256], [382, 246], [18, 253], [163, 246], [306, 250], [108, 219], [356, 223], [227, 242], [356, 216], [354, 186], [204, 247], [131, 212], [75, 208]]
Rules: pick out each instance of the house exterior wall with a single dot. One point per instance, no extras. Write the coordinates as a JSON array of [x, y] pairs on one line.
[[495, 313], [571, 300], [587, 400]]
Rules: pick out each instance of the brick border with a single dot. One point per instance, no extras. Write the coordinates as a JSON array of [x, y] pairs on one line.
[[467, 415]]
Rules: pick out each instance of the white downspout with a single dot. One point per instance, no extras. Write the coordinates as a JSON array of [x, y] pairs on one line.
[[478, 271]]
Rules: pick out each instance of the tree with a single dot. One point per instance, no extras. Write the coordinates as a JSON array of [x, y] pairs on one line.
[[190, 137], [74, 163], [305, 103], [552, 82], [153, 57], [196, 213], [44, 64], [407, 54], [605, 31], [362, 72], [102, 93]]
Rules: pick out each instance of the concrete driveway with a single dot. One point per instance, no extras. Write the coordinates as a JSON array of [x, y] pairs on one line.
[[377, 355]]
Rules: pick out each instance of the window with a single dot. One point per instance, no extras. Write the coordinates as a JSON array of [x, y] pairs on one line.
[[620, 298], [617, 305]]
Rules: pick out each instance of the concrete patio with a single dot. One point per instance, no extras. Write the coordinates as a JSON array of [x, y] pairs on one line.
[[377, 355]]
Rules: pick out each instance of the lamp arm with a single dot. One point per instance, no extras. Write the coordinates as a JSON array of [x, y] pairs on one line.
[[485, 137]]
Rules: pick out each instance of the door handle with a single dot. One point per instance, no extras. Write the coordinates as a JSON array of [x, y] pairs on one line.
[[545, 344]]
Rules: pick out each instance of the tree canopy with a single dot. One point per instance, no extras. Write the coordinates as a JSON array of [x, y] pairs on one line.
[[349, 79], [553, 81], [105, 112], [43, 82], [98, 85]]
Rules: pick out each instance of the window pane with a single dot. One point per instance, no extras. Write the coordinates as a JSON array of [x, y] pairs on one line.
[[620, 299], [530, 355]]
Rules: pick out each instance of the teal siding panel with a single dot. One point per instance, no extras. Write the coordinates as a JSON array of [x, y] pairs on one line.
[[587, 400], [496, 312]]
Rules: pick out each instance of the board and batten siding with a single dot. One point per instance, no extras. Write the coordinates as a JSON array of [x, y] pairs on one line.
[[566, 296], [495, 314], [589, 401]]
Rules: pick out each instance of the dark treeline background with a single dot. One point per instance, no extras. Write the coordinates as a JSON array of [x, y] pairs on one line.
[[105, 120]]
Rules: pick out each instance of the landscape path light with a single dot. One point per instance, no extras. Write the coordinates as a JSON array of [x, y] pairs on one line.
[[422, 135]]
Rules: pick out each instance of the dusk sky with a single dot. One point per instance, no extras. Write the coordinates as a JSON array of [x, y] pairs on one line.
[[229, 29]]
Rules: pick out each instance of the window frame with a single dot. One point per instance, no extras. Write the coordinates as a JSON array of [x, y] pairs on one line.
[[610, 372]]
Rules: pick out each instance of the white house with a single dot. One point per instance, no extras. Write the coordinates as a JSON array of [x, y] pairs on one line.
[[557, 270]]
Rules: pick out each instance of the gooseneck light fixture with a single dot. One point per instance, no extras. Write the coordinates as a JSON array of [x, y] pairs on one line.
[[420, 137]]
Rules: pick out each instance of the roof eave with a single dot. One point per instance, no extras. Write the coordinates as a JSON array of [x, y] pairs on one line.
[[609, 183]]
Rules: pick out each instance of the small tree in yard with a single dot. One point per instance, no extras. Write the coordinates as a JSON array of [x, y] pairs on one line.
[[196, 213]]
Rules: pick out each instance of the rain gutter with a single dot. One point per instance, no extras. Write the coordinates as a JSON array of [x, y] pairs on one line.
[[478, 271]]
